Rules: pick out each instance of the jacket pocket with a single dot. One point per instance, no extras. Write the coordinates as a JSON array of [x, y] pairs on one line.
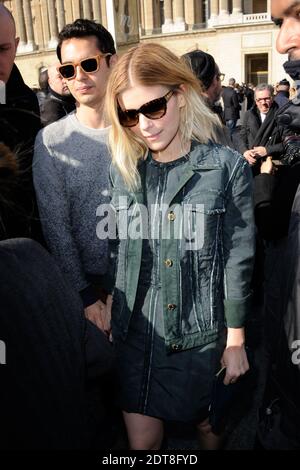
[[202, 216], [201, 260]]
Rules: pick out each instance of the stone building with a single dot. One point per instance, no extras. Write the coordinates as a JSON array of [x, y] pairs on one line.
[[238, 33]]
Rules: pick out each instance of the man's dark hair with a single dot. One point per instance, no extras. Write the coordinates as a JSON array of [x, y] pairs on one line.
[[203, 65], [82, 28]]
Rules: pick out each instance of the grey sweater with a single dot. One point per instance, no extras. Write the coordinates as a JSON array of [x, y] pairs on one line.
[[71, 178]]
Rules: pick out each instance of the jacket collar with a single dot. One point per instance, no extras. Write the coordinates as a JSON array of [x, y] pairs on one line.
[[15, 85], [202, 157]]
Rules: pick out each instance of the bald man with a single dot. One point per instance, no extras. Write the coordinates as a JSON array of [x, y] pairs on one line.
[[17, 93], [20, 121], [59, 100]]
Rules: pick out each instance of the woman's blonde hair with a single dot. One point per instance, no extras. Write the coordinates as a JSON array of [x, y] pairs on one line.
[[149, 65]]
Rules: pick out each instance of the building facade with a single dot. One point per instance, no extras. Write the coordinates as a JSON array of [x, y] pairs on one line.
[[238, 33]]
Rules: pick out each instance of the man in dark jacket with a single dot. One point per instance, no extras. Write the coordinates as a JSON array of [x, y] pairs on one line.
[[59, 100], [283, 93], [257, 128], [207, 71], [231, 105], [19, 124]]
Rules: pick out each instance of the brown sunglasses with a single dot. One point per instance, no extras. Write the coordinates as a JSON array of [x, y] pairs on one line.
[[154, 109], [89, 65]]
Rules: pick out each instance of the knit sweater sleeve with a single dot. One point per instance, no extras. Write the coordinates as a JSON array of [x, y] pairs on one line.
[[55, 214]]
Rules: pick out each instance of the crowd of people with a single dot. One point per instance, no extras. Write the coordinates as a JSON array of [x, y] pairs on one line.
[[139, 214]]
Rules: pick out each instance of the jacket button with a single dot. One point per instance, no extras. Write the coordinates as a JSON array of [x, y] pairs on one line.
[[171, 306], [171, 216], [176, 347], [168, 263]]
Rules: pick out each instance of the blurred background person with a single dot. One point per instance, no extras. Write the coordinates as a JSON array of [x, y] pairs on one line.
[[283, 93], [59, 100], [207, 71]]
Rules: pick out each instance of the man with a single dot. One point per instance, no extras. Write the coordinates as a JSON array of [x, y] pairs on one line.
[[249, 94], [18, 95], [258, 125], [71, 166], [231, 105], [59, 100], [208, 72], [278, 214], [20, 117], [283, 93]]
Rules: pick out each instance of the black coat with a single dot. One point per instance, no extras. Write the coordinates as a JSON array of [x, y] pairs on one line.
[[254, 133], [282, 98], [55, 107], [19, 124], [231, 104], [51, 350]]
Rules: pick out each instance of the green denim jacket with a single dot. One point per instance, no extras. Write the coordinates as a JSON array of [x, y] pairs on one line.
[[207, 266]]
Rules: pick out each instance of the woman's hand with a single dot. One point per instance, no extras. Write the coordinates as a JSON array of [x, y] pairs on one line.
[[234, 356]]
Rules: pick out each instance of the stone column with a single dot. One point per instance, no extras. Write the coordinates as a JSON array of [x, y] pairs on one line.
[[193, 13], [167, 27], [224, 17], [38, 27], [29, 26], [21, 25], [45, 22], [53, 24], [76, 9], [121, 21], [87, 13], [61, 19], [97, 10], [142, 18], [104, 14], [178, 15], [224, 7], [237, 11], [149, 16], [237, 6], [133, 21], [214, 13]]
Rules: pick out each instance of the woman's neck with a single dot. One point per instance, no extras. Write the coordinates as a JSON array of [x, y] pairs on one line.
[[169, 155]]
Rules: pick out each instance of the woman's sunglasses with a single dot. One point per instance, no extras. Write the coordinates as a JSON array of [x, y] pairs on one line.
[[89, 65], [154, 109]]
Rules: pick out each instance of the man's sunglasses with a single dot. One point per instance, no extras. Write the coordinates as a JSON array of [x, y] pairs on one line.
[[154, 109], [89, 65]]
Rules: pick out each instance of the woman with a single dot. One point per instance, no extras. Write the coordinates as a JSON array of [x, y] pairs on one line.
[[184, 261]]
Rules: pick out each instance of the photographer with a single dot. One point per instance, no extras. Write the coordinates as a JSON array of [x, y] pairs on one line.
[[277, 211]]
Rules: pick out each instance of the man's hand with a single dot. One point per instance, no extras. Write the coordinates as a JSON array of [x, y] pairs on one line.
[[249, 155], [100, 314], [260, 151], [267, 166]]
